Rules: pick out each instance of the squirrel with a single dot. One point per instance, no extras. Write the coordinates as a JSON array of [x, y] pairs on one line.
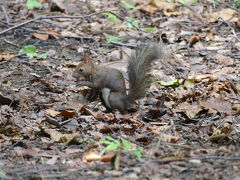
[[110, 82]]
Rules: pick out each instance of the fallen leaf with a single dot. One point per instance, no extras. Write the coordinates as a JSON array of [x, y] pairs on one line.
[[91, 155], [59, 137], [217, 104], [67, 113], [205, 77], [52, 112], [218, 137], [227, 14], [108, 157], [191, 110], [7, 57], [40, 36]]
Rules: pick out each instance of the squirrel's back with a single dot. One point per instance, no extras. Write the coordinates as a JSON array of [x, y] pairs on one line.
[[139, 65]]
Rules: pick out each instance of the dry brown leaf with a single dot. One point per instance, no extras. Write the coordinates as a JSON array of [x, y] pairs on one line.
[[236, 107], [218, 137], [205, 77], [207, 151], [59, 137], [61, 4], [43, 36], [40, 36], [217, 104], [226, 60], [225, 129], [227, 14], [7, 57], [67, 113], [193, 39], [108, 157], [154, 5], [91, 155], [210, 36], [169, 12], [52, 112], [168, 138], [191, 110]]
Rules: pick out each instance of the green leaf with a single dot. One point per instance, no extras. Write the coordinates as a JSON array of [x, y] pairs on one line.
[[111, 17], [43, 56], [150, 29], [2, 176], [138, 152], [140, 149], [28, 49], [168, 83], [104, 142], [213, 2], [112, 139], [126, 145], [127, 5], [237, 4], [31, 4], [111, 147], [133, 22], [113, 39], [31, 51]]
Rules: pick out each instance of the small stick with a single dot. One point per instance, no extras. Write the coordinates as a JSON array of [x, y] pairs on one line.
[[51, 17], [124, 44], [5, 14], [59, 35], [233, 31]]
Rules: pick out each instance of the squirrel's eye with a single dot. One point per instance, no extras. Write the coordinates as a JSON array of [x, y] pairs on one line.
[[81, 69]]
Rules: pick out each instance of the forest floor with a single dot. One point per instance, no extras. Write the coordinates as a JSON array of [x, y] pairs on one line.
[[187, 126]]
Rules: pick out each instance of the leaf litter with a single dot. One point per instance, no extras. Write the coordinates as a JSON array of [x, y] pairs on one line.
[[189, 131]]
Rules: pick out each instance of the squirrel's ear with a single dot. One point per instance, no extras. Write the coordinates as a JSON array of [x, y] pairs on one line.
[[86, 59]]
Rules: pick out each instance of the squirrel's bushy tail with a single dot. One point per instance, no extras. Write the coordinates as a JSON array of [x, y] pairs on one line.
[[139, 65]]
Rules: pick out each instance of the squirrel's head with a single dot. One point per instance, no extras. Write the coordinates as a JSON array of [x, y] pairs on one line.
[[84, 69]]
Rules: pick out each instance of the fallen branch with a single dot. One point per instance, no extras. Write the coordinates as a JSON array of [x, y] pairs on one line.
[[52, 17]]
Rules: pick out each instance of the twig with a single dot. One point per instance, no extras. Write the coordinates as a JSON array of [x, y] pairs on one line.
[[123, 44], [52, 17], [165, 161], [189, 7], [11, 43], [59, 35], [199, 50], [53, 121], [65, 122], [233, 31], [5, 14]]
